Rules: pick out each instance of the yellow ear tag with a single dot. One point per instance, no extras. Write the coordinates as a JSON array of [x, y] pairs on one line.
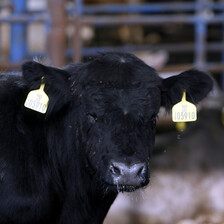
[[223, 116], [184, 111], [181, 126], [37, 100]]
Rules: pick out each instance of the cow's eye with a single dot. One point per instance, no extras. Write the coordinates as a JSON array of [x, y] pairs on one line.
[[91, 118]]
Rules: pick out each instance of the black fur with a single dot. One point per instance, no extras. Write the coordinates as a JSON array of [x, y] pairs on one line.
[[55, 168]]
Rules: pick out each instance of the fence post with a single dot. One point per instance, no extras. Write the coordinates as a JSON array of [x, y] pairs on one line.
[[56, 43], [222, 76], [200, 35], [18, 47], [77, 34]]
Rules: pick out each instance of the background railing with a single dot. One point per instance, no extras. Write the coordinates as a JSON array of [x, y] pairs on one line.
[[200, 15]]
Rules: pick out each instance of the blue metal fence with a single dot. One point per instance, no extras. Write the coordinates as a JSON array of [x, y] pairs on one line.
[[18, 45], [107, 15]]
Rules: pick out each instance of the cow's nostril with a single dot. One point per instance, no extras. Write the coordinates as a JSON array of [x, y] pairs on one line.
[[141, 170], [115, 170], [128, 174]]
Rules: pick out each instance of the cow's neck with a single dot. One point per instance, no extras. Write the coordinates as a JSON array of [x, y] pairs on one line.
[[100, 205], [98, 202], [84, 197]]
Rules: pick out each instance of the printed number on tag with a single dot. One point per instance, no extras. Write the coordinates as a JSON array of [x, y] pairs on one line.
[[37, 100], [184, 111]]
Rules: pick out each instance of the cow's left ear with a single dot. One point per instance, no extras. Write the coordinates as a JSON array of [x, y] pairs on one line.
[[196, 83], [56, 83]]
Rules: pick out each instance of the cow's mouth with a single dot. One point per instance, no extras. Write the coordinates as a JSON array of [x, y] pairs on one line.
[[123, 188], [126, 188]]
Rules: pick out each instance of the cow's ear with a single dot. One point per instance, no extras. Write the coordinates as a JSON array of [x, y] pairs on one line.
[[56, 83], [196, 83]]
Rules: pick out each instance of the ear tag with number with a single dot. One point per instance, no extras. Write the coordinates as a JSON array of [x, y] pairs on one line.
[[223, 116], [37, 100], [184, 111]]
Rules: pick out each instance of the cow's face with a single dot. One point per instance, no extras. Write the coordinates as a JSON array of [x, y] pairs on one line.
[[119, 134], [120, 106], [116, 99], [120, 97]]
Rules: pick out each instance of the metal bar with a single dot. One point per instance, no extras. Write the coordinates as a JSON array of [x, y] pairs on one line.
[[177, 47], [219, 18], [211, 67], [78, 7], [135, 8], [136, 19], [222, 75], [138, 8], [117, 20], [144, 8], [200, 39], [78, 26], [77, 53], [200, 35], [25, 18], [215, 46], [87, 51], [18, 46], [147, 19], [57, 36]]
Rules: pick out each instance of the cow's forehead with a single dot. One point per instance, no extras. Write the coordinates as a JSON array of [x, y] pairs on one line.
[[138, 101], [119, 71], [121, 81]]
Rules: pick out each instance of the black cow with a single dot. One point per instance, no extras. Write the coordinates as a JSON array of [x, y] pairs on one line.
[[96, 139]]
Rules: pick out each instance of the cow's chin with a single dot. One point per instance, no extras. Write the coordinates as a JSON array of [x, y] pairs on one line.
[[125, 188]]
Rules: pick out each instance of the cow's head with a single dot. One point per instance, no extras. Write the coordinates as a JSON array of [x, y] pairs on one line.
[[118, 98]]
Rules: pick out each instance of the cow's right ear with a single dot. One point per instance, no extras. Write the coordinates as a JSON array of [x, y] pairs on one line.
[[196, 83], [56, 81]]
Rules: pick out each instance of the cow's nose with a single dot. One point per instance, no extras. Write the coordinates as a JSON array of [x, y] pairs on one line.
[[124, 174]]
